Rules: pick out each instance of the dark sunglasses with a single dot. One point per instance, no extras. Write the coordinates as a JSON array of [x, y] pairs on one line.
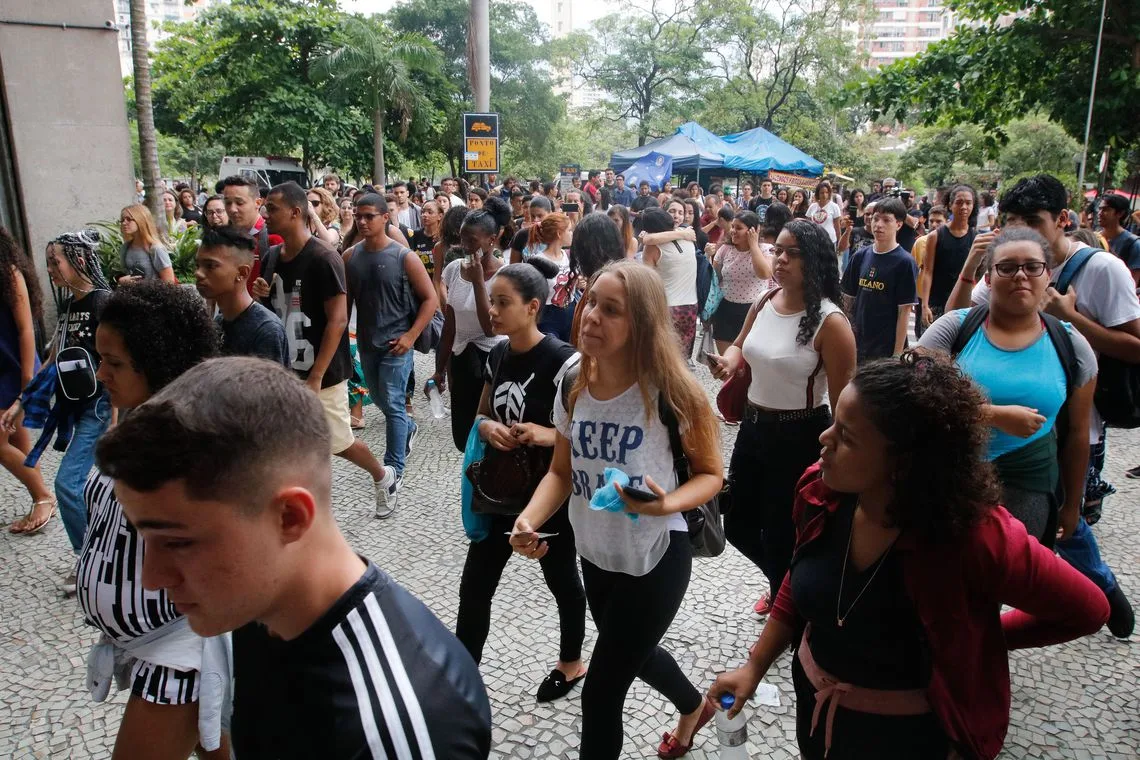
[[315, 204]]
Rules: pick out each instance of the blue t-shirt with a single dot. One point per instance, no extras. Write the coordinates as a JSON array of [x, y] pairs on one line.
[[1032, 376], [1126, 246], [880, 284]]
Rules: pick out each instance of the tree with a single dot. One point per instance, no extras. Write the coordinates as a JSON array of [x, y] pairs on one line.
[[521, 87], [242, 75], [144, 112], [645, 59], [767, 54], [1038, 145], [375, 62], [938, 155], [993, 70]]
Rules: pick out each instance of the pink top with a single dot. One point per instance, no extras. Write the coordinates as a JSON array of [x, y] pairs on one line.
[[738, 279]]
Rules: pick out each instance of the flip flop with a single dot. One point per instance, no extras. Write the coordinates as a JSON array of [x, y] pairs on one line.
[[37, 527]]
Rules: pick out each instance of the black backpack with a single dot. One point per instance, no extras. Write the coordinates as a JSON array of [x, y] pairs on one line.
[[1062, 344], [1117, 396]]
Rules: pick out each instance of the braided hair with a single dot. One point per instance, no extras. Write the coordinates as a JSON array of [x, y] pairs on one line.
[[81, 249]]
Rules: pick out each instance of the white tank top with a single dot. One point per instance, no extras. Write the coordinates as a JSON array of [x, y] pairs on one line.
[[781, 367]]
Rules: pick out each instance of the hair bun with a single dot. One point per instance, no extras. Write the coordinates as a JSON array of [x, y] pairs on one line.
[[499, 210]]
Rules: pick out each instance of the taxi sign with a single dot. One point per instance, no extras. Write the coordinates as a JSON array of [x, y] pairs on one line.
[[481, 143]]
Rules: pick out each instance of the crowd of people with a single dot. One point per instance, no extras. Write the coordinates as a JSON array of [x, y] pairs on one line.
[[567, 324]]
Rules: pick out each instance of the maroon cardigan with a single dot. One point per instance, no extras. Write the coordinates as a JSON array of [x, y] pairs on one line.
[[957, 589]]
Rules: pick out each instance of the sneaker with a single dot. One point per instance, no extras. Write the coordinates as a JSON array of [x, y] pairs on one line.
[[1134, 473], [763, 606], [1121, 619], [413, 431], [386, 489], [68, 585]]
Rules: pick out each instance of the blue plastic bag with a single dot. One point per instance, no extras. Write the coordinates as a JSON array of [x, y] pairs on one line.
[[606, 498], [477, 527]]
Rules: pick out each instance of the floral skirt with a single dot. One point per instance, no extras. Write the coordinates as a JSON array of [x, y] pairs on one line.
[[685, 325]]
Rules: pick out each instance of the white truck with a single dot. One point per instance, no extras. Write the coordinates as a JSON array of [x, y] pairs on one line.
[[267, 171]]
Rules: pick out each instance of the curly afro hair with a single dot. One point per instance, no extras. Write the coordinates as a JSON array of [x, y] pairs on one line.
[[931, 413], [164, 327]]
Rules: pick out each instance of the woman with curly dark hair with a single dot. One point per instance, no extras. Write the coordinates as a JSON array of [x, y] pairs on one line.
[[902, 564], [800, 350], [21, 362], [148, 335]]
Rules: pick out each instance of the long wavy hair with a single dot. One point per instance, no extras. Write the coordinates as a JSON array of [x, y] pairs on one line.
[[930, 412], [656, 354], [13, 260], [620, 213], [147, 237], [820, 273]]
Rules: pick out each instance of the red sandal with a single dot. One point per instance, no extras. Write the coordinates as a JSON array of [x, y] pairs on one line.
[[670, 747]]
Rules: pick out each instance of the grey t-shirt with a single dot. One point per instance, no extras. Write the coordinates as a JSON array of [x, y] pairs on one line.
[[150, 264], [257, 331]]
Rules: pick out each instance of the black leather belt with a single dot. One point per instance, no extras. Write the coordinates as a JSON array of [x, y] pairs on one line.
[[756, 414]]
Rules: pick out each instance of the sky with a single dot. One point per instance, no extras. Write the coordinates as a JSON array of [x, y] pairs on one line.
[[583, 11]]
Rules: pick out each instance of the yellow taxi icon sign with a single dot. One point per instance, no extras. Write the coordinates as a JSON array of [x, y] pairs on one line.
[[481, 126]]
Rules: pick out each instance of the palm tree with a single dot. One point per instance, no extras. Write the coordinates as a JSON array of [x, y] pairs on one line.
[[144, 113], [378, 63]]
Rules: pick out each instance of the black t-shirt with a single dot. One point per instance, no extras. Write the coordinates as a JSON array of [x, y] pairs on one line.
[[760, 206], [518, 242], [880, 284], [299, 291], [526, 384], [880, 644], [192, 215], [255, 332], [81, 321], [422, 244], [907, 235], [376, 672]]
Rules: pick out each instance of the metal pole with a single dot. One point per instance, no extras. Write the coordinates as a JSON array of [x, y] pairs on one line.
[[481, 79], [1092, 99]]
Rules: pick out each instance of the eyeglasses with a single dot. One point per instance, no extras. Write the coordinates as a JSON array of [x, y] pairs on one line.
[[315, 204], [1010, 268], [791, 250]]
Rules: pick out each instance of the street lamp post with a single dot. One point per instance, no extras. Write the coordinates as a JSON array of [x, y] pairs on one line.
[[481, 74], [1092, 99]]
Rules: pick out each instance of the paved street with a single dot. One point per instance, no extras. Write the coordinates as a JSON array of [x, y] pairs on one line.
[[1078, 701]]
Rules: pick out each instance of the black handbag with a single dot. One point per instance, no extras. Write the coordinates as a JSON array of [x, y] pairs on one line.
[[502, 482], [706, 529], [75, 368]]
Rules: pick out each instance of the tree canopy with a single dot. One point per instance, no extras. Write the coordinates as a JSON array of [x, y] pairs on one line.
[[997, 67]]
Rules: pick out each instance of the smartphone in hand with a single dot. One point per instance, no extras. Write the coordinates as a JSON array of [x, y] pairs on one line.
[[638, 495]]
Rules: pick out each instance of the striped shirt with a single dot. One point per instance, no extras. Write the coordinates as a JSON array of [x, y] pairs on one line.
[[109, 573], [377, 676]]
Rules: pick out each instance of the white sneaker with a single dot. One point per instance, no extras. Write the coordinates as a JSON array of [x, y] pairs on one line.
[[386, 489], [68, 585]]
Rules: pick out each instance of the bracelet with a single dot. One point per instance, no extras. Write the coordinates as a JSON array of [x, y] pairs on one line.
[[966, 279]]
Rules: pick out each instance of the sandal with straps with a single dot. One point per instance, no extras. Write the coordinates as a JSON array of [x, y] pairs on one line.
[[35, 527]]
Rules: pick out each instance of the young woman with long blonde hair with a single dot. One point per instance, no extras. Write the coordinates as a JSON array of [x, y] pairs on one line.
[[620, 216], [635, 562], [143, 255]]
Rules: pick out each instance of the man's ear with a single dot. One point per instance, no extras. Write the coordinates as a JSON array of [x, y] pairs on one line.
[[295, 511]]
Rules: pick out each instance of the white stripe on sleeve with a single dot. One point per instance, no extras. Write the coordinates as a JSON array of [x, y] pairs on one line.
[[363, 700]]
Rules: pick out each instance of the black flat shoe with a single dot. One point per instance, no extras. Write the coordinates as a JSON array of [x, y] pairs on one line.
[[555, 686]]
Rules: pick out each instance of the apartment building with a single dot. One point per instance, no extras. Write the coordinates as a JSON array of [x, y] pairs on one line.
[[895, 29], [157, 13]]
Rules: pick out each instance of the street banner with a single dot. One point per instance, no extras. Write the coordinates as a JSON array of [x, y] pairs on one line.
[[795, 180], [481, 143], [655, 168]]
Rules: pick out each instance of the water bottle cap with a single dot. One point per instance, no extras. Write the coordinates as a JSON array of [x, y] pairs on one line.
[[431, 382], [727, 701]]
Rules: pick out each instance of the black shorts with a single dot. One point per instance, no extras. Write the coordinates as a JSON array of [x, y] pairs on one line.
[[729, 320]]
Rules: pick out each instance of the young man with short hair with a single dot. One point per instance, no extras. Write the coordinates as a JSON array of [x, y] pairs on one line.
[[450, 186], [761, 203], [308, 292], [944, 252], [243, 200], [225, 259], [1101, 304], [407, 213], [224, 474], [879, 287], [395, 300], [1113, 215], [593, 184], [331, 183], [622, 195]]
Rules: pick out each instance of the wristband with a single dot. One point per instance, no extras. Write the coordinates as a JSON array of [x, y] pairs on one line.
[[966, 280]]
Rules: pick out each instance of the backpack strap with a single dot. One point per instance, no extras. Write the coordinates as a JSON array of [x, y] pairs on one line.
[[975, 318], [1063, 345], [669, 419], [568, 380], [1075, 263]]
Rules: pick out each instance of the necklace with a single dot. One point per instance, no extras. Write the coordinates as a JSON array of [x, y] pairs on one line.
[[841, 619]]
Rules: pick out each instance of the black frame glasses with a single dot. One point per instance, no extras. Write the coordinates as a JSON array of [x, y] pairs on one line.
[[1009, 269]]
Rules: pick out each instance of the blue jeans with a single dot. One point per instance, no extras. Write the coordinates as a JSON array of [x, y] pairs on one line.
[[1081, 551], [76, 464], [387, 379]]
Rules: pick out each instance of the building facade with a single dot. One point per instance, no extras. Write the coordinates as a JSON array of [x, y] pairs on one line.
[[158, 12], [65, 152], [897, 29]]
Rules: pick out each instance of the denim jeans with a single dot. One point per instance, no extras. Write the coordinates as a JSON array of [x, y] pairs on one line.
[[1081, 551], [76, 464], [386, 376]]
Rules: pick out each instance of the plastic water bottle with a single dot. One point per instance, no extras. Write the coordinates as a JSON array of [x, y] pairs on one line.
[[435, 398], [732, 733]]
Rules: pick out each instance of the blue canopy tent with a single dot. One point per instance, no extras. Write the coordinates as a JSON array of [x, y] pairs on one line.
[[755, 151], [687, 155]]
